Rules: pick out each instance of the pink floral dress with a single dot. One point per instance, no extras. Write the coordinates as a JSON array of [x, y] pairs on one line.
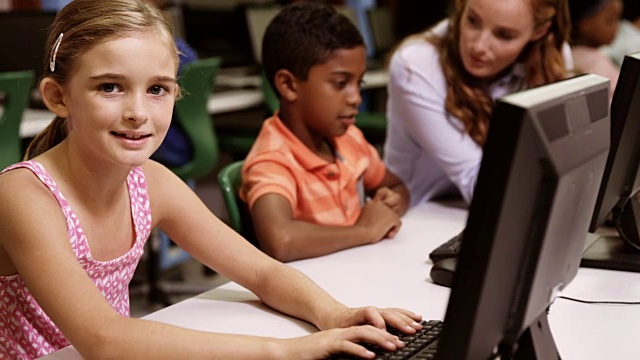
[[25, 330]]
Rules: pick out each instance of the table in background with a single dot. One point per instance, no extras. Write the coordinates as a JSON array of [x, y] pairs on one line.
[[394, 273]]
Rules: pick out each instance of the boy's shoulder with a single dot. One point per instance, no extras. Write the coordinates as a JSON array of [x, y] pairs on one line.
[[273, 137]]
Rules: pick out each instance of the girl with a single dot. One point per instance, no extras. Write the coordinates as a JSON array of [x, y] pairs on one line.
[[443, 83], [74, 218]]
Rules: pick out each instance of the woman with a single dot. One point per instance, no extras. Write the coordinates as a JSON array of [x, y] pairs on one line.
[[443, 83]]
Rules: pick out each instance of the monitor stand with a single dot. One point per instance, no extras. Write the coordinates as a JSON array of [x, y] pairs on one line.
[[535, 343], [607, 250]]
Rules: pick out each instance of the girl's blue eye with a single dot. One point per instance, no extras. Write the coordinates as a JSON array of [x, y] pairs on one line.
[[157, 90], [108, 87]]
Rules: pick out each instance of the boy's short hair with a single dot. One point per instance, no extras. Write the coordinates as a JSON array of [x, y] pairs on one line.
[[303, 35]]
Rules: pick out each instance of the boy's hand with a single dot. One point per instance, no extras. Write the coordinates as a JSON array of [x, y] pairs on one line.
[[378, 220], [389, 197]]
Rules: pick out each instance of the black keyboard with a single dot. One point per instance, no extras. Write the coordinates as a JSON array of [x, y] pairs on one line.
[[449, 249], [421, 345]]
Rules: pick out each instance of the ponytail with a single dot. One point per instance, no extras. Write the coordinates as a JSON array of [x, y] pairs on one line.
[[51, 136]]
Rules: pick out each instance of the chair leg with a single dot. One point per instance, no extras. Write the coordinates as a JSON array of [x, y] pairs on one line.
[[155, 295], [162, 256]]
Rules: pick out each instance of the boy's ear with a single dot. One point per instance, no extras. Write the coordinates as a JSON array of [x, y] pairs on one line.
[[53, 97], [286, 85]]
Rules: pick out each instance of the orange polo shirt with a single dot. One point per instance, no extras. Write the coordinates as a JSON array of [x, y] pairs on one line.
[[320, 192]]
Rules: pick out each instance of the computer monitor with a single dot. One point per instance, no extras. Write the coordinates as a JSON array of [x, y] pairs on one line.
[[539, 178], [617, 200]]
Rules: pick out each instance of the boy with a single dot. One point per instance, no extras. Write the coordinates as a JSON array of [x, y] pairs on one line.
[[307, 175]]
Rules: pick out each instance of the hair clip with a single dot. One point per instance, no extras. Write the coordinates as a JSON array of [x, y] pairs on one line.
[[54, 52]]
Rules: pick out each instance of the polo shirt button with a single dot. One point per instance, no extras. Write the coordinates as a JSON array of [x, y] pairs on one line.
[[331, 175]]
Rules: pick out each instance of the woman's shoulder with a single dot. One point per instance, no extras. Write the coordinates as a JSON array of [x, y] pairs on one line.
[[416, 50], [418, 47], [418, 55]]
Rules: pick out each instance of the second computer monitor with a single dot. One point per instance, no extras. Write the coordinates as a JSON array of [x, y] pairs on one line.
[[617, 200]]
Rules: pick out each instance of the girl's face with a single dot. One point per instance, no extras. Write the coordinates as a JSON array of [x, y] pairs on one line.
[[120, 98], [494, 33]]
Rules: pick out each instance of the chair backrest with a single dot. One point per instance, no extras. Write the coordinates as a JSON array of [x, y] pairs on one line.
[[16, 87], [197, 81], [230, 180]]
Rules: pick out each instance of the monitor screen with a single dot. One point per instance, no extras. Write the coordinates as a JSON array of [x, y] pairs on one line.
[[539, 177], [619, 248]]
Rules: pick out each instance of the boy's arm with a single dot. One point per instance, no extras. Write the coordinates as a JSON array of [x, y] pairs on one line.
[[287, 239], [393, 193]]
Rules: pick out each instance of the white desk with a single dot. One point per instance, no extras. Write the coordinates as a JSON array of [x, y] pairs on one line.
[[360, 276]]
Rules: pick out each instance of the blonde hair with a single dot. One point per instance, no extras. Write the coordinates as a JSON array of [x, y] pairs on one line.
[[84, 24], [542, 58]]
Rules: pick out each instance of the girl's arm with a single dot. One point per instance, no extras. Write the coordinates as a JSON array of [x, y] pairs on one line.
[[33, 232], [188, 222]]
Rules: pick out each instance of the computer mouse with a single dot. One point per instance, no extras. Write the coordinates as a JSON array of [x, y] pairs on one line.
[[443, 270]]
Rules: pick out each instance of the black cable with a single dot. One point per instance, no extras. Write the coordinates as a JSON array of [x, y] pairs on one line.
[[600, 302]]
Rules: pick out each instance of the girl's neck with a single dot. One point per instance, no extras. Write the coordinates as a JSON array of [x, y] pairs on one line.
[[93, 183]]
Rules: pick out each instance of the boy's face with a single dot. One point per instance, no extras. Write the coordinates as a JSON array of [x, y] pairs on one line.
[[328, 100]]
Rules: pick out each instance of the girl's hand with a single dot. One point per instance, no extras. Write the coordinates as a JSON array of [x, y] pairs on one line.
[[403, 320], [323, 344]]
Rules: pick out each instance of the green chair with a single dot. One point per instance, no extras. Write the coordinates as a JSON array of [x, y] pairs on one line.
[[16, 87], [197, 82], [237, 141], [230, 180], [270, 97]]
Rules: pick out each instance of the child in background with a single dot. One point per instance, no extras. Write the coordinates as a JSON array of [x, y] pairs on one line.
[[308, 175], [595, 23], [81, 208]]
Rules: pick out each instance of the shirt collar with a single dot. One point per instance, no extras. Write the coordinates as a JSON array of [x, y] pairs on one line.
[[305, 157]]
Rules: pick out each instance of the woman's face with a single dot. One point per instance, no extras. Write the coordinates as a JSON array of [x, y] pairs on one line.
[[493, 34]]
